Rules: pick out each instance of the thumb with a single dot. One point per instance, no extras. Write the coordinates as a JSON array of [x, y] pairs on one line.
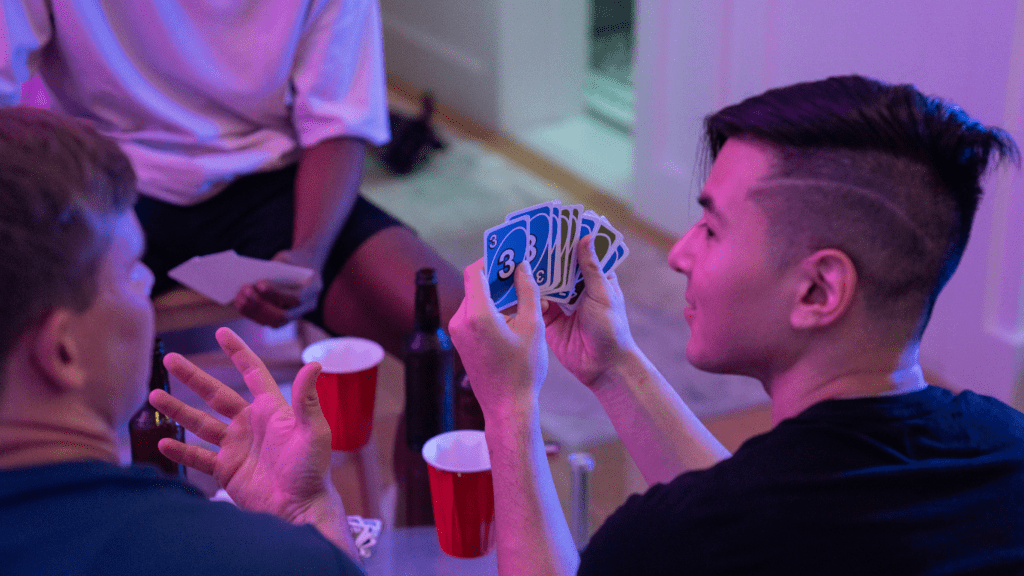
[[527, 291], [594, 278], [305, 400]]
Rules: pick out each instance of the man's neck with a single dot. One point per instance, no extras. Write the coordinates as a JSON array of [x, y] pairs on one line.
[[807, 384], [25, 443]]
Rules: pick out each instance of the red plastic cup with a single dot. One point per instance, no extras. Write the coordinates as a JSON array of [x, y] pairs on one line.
[[347, 386], [463, 492]]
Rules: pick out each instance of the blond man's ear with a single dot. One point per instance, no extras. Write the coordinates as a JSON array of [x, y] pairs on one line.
[[56, 352]]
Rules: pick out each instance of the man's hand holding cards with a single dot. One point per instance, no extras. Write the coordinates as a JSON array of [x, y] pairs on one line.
[[547, 235]]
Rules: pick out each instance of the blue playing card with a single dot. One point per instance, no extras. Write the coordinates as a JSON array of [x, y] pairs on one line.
[[588, 221], [505, 246], [570, 304], [564, 254], [619, 253], [543, 228], [606, 238], [547, 236]]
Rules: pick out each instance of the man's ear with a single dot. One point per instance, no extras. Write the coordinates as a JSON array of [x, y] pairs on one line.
[[56, 352], [827, 282]]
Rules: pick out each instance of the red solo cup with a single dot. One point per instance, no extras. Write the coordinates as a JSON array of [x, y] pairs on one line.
[[347, 386], [463, 492]]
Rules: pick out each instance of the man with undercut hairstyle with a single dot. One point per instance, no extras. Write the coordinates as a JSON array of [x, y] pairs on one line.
[[834, 213], [75, 354]]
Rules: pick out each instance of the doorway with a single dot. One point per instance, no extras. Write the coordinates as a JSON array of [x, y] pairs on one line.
[[610, 79], [596, 142]]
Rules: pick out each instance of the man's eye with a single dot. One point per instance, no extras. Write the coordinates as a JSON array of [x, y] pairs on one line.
[[708, 232]]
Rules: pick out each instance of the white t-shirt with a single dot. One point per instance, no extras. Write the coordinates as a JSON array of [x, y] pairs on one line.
[[199, 92]]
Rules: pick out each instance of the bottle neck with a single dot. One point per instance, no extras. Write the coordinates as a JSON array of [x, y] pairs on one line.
[[156, 383], [158, 379], [428, 314]]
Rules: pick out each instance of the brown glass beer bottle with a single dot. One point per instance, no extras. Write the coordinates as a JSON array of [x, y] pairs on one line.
[[429, 366], [149, 425], [429, 399]]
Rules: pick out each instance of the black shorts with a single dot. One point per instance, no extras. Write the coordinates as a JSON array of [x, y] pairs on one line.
[[253, 216]]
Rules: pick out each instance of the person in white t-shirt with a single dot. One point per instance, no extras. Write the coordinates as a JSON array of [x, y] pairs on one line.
[[247, 124]]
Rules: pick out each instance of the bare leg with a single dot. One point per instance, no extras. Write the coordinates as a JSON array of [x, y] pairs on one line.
[[373, 295]]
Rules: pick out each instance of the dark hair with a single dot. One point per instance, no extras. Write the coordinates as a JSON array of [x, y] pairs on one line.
[[880, 171], [58, 178]]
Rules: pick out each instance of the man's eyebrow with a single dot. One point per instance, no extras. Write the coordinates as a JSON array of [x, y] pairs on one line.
[[708, 203]]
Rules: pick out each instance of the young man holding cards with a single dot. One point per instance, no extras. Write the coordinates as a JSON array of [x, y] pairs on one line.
[[834, 212]]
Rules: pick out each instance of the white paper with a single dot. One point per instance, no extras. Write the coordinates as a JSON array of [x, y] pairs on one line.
[[220, 276]]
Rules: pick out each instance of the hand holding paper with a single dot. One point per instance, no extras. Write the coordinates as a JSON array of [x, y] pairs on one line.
[[220, 276]]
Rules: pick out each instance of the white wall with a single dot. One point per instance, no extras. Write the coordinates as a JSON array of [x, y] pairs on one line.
[[515, 63], [447, 46], [694, 57], [507, 63]]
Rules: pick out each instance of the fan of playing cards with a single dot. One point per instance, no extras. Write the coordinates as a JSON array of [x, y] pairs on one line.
[[546, 235]]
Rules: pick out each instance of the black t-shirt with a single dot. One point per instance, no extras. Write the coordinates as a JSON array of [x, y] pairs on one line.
[[921, 483], [97, 518]]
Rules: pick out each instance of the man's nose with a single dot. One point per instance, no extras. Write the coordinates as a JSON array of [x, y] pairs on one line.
[[680, 257]]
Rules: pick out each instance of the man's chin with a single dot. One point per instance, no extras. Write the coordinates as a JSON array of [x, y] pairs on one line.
[[706, 362], [700, 360]]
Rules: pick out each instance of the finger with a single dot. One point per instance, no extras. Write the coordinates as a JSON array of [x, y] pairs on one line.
[[248, 364], [551, 313], [458, 321], [527, 291], [478, 293], [250, 304], [279, 296], [597, 282], [217, 396], [194, 420], [305, 400], [188, 455]]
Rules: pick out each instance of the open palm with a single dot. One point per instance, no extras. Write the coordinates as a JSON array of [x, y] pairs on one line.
[[273, 457]]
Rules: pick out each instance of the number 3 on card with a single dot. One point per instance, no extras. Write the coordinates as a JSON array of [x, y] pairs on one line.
[[505, 246], [508, 265]]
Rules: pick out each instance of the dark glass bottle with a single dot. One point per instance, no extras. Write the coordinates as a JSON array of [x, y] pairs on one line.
[[149, 425], [429, 400], [429, 369]]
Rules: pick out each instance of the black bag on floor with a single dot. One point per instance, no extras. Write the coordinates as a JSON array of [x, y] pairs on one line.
[[412, 140]]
